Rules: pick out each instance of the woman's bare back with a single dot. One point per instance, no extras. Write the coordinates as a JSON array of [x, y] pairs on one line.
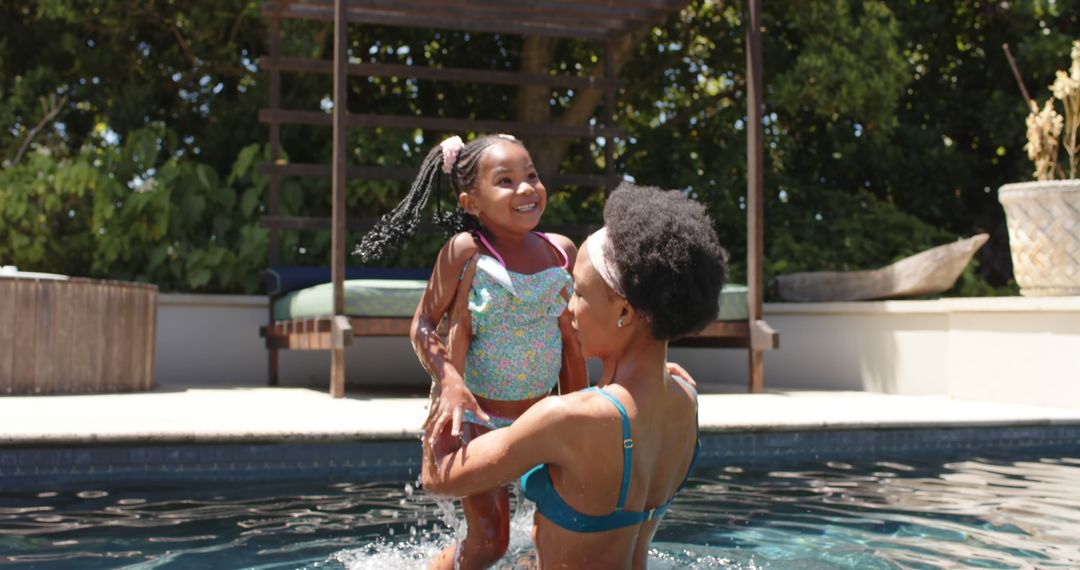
[[663, 430]]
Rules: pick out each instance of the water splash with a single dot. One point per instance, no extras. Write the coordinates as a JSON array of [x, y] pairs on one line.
[[383, 554], [422, 545], [676, 557]]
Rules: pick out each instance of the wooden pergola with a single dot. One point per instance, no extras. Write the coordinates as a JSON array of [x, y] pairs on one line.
[[597, 20]]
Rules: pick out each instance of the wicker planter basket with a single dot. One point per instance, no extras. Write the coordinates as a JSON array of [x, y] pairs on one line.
[[1044, 235]]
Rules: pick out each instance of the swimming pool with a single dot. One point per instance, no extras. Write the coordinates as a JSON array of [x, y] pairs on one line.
[[987, 509]]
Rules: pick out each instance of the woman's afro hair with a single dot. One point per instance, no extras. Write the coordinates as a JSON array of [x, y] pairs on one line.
[[671, 264]]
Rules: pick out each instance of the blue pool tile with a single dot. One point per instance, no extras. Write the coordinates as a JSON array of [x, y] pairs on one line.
[[137, 456], [8, 460], [207, 454], [33, 468], [155, 455]]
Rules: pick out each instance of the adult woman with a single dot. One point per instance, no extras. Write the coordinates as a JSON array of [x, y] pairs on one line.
[[654, 273]]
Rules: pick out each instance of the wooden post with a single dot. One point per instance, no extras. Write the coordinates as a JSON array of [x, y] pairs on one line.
[[274, 199], [340, 156], [609, 111], [755, 186]]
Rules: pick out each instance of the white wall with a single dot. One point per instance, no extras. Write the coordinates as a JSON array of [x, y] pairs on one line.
[[209, 340], [1024, 350]]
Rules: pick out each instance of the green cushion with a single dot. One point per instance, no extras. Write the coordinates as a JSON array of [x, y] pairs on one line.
[[363, 298], [733, 305], [399, 297]]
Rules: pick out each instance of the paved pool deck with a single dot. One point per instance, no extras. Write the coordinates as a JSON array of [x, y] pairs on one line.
[[246, 415]]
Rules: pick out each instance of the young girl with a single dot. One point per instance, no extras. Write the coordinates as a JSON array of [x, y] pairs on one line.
[[515, 341]]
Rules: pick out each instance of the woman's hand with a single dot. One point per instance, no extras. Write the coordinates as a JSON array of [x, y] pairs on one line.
[[449, 402]]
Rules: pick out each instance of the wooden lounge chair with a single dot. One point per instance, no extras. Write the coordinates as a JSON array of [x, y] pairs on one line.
[[335, 329]]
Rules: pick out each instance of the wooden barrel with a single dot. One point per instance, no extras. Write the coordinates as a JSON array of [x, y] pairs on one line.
[[77, 336]]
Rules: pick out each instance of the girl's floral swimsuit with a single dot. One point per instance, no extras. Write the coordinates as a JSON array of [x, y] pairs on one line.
[[516, 349]]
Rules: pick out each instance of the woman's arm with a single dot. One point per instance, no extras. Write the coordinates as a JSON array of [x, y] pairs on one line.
[[445, 367], [540, 435]]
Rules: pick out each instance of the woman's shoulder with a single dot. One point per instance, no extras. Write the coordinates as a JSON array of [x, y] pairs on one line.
[[574, 409]]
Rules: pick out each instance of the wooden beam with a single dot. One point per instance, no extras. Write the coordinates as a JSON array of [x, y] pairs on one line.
[[642, 11], [380, 326], [573, 8], [319, 118], [552, 181], [299, 223], [306, 65], [719, 334], [584, 28], [352, 171]]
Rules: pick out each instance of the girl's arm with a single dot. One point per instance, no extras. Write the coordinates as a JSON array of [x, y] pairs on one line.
[[540, 435], [452, 397], [573, 375], [675, 369]]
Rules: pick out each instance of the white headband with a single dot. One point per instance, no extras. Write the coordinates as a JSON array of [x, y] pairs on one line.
[[597, 243]]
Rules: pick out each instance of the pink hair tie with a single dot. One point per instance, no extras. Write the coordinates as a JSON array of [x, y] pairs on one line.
[[450, 149]]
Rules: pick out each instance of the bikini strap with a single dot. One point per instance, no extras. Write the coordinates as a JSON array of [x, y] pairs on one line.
[[688, 386], [558, 248], [628, 447], [697, 435], [490, 247], [495, 252]]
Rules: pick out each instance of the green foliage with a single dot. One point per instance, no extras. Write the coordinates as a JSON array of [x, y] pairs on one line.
[[890, 125], [852, 223], [844, 62], [125, 213], [912, 102]]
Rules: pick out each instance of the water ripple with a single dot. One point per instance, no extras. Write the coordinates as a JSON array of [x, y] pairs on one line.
[[986, 512]]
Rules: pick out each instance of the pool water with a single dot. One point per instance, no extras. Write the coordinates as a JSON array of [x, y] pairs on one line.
[[987, 511]]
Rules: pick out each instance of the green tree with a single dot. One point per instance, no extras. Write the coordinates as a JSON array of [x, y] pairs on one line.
[[131, 139]]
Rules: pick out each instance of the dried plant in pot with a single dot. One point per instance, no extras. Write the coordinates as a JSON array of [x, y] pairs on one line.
[[1043, 216]]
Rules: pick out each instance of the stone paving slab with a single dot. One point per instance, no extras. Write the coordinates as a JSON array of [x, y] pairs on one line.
[[194, 415]]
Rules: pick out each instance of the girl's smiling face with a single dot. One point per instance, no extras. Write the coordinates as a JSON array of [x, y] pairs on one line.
[[508, 193]]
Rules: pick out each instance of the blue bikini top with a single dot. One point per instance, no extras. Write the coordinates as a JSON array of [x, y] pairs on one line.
[[536, 485]]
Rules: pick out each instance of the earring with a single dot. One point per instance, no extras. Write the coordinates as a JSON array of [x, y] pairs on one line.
[[618, 323]]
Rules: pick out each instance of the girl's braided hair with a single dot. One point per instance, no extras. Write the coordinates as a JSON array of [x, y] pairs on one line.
[[395, 228]]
